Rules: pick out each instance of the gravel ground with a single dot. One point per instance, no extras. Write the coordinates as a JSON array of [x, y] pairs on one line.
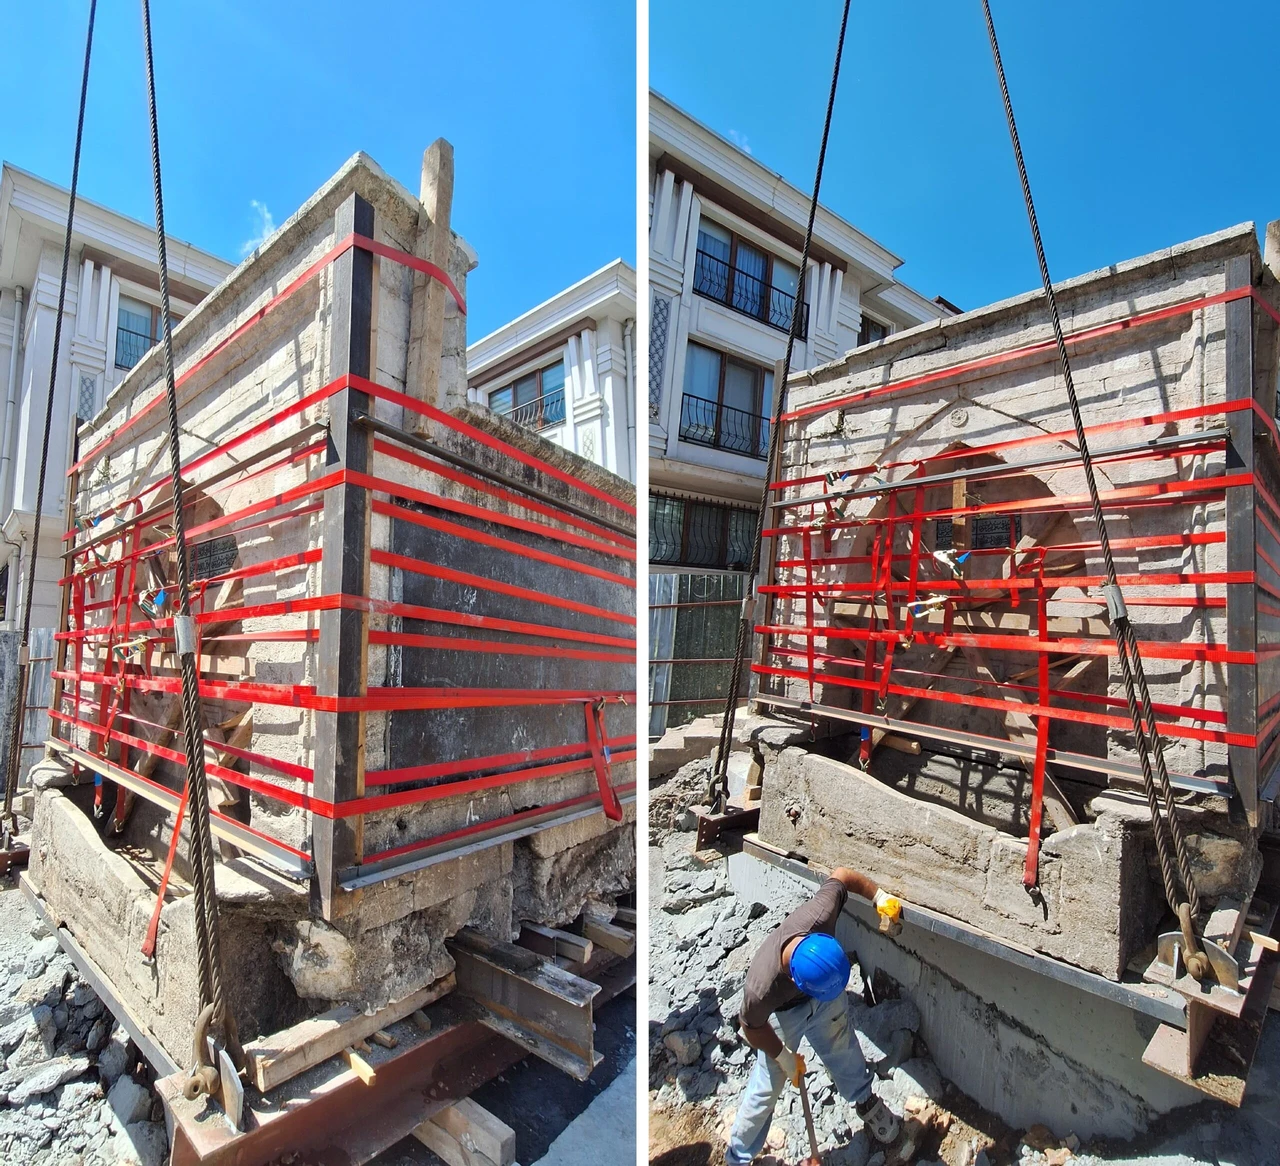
[[701, 941], [72, 1087]]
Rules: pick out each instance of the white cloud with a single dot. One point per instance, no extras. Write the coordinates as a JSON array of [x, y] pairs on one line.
[[265, 227], [740, 140]]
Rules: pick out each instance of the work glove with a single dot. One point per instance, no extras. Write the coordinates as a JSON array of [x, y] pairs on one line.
[[889, 909], [792, 1065]]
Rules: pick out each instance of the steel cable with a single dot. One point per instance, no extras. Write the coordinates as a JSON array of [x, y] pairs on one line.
[[1146, 733], [13, 762], [718, 791], [201, 843]]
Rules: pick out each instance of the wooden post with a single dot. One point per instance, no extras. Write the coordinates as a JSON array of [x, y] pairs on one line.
[[1242, 615], [337, 844], [434, 243]]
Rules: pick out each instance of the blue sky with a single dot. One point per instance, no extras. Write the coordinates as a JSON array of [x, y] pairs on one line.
[[261, 101], [1142, 124]]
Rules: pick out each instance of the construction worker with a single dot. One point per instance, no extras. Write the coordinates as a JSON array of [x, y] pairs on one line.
[[798, 976]]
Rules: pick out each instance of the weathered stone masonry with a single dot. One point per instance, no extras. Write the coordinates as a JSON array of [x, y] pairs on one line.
[[466, 591]]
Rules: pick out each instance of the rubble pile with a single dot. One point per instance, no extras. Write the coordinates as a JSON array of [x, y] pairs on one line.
[[68, 1094], [701, 942]]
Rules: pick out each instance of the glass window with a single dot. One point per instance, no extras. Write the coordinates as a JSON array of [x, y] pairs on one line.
[[702, 372], [553, 394], [786, 276], [742, 532], [666, 524], [751, 264], [742, 387], [871, 331], [714, 240], [500, 400], [133, 332]]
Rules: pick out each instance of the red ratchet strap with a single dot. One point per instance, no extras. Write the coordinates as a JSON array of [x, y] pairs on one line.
[[339, 249], [600, 759], [1041, 347], [1248, 740]]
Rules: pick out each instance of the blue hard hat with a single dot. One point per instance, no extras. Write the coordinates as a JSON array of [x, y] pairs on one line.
[[820, 967]]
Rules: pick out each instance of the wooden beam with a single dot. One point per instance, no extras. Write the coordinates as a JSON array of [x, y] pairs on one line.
[[466, 1134], [552, 942], [434, 243], [283, 1055], [626, 916], [615, 939], [359, 1066]]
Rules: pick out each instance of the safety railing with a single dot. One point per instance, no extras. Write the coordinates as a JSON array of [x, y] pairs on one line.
[[707, 422], [746, 293], [540, 413]]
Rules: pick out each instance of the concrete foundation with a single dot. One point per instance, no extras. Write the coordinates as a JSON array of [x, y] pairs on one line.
[[1023, 1046]]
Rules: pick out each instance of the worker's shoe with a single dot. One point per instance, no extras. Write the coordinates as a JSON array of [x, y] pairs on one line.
[[876, 1116]]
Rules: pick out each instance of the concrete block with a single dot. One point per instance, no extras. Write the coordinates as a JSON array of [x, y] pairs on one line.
[[1091, 914]]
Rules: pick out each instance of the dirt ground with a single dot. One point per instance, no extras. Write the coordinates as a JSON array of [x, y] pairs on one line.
[[688, 1129]]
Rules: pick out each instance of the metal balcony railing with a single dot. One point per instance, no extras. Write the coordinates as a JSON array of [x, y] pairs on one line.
[[540, 413], [131, 347], [705, 422], [746, 293]]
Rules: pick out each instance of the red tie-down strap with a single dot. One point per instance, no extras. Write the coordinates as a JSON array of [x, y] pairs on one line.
[[600, 759]]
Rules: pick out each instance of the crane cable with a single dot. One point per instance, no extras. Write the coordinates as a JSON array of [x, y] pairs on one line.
[[13, 760], [1168, 830], [214, 1011], [1170, 841], [718, 789]]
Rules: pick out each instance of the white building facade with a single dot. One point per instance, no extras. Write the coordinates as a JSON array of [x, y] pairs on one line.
[[566, 369], [110, 319], [725, 240]]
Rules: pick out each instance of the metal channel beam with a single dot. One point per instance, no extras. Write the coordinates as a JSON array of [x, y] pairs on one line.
[[377, 872], [260, 847], [1148, 999], [529, 1000], [142, 1036], [1184, 781]]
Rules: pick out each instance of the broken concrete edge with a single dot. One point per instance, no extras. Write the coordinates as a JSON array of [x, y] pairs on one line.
[[359, 174], [938, 333], [556, 455]]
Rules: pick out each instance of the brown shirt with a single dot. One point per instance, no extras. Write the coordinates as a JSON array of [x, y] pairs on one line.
[[769, 987]]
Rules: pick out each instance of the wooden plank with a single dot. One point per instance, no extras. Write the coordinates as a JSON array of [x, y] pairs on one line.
[[476, 1129], [434, 242], [283, 1055], [552, 942], [359, 1066], [616, 939], [626, 916]]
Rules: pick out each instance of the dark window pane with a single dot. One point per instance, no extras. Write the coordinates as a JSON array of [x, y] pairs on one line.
[[704, 535], [500, 400], [666, 522]]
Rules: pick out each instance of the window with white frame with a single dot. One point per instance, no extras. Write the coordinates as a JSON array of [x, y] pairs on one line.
[[535, 400], [137, 329], [871, 330]]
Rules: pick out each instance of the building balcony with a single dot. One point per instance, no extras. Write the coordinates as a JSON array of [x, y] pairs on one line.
[[743, 292], [541, 413], [710, 423]]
